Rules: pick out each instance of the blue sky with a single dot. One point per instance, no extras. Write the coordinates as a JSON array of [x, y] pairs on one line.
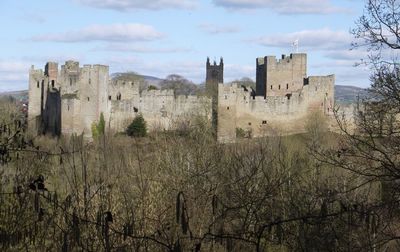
[[161, 37]]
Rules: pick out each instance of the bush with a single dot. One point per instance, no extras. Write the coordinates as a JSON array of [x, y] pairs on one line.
[[240, 133], [137, 128], [151, 87], [98, 129]]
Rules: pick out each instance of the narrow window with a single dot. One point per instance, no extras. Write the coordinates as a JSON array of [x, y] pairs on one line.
[[135, 109], [68, 107], [271, 87], [264, 122], [90, 81], [249, 123], [227, 108], [287, 86], [70, 81], [109, 97], [52, 83], [37, 84], [279, 87], [88, 99]]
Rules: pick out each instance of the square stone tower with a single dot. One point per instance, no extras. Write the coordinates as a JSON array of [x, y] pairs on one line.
[[280, 77]]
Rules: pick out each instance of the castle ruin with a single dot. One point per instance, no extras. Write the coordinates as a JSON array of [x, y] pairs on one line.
[[284, 98], [71, 99]]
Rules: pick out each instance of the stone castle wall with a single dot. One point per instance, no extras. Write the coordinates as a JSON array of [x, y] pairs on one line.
[[87, 92], [161, 109], [284, 99], [238, 109], [285, 96]]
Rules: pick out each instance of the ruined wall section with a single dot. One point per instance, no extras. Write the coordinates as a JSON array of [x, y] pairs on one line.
[[70, 103], [260, 77], [123, 90], [259, 116], [36, 84], [320, 93], [285, 75], [92, 96], [161, 109], [52, 113]]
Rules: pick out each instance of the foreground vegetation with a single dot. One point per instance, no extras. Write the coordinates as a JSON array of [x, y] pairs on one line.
[[185, 192]]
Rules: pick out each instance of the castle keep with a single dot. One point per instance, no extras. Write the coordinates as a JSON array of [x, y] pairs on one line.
[[284, 98], [71, 99]]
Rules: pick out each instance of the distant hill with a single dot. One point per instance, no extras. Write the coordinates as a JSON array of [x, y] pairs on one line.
[[152, 80], [18, 95], [349, 94]]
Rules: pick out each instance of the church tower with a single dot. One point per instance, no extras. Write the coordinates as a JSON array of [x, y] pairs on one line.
[[214, 75]]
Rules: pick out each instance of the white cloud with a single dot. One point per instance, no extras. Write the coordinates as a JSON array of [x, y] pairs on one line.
[[122, 47], [216, 29], [124, 5], [321, 39], [13, 75], [283, 6], [352, 55], [114, 32]]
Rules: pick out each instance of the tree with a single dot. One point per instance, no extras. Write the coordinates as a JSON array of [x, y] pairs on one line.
[[377, 119], [180, 85], [98, 129], [137, 128], [369, 153], [378, 30], [246, 81]]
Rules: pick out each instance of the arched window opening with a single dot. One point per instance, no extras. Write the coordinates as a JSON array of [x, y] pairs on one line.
[[37, 84], [52, 83]]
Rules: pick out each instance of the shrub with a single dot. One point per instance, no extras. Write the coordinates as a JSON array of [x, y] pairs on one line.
[[98, 129], [137, 128], [151, 87], [240, 133]]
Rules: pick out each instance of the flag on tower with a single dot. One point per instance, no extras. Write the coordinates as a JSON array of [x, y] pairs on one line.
[[296, 45]]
